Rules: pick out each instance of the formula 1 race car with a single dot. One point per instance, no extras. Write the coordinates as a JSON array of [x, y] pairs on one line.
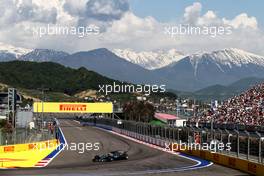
[[112, 156], [119, 155], [102, 158]]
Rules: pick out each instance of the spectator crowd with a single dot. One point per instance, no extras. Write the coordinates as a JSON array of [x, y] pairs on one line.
[[244, 109]]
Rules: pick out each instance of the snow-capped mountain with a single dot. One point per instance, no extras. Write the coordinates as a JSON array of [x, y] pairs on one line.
[[228, 57], [150, 60], [187, 73], [218, 67], [9, 52], [110, 65], [43, 55]]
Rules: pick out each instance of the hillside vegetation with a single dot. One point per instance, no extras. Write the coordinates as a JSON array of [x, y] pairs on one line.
[[33, 75]]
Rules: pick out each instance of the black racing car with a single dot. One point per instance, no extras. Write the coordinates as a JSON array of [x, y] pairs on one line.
[[103, 158], [115, 155], [119, 155]]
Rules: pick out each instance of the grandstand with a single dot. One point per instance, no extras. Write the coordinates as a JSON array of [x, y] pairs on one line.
[[244, 109]]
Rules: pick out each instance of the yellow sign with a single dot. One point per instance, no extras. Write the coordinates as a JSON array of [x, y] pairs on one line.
[[52, 107]]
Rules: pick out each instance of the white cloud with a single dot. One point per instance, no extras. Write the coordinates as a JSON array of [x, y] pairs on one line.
[[74, 8], [192, 13], [193, 16], [105, 10], [242, 21], [26, 10], [122, 28], [133, 25], [209, 18]]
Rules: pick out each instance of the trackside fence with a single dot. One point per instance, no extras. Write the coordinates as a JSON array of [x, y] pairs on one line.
[[163, 135], [243, 145]]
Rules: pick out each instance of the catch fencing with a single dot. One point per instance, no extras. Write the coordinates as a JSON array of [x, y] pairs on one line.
[[244, 144]]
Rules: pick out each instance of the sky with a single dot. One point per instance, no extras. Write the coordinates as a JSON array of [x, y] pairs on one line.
[[140, 25], [173, 9]]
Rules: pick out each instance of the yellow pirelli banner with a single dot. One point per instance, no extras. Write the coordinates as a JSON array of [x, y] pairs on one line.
[[65, 107]]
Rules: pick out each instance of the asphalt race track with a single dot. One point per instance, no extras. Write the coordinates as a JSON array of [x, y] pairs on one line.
[[142, 159]]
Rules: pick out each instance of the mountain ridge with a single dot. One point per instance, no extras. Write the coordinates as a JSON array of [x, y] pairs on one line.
[[104, 62], [150, 59], [191, 73], [43, 55], [220, 67]]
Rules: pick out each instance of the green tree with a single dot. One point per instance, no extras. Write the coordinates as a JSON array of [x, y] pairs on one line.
[[139, 111]]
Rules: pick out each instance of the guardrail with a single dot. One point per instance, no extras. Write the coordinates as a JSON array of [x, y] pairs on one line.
[[238, 158], [40, 132], [228, 126], [33, 154]]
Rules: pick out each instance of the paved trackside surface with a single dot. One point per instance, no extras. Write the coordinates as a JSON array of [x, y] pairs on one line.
[[141, 157]]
